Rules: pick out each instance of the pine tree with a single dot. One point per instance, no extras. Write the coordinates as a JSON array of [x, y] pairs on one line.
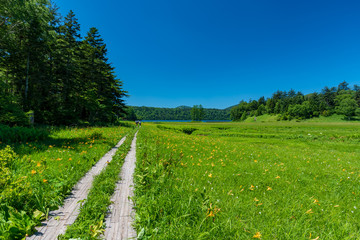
[[46, 67], [24, 32], [102, 92]]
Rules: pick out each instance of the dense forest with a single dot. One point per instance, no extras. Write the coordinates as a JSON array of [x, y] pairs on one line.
[[289, 105], [178, 113], [51, 72]]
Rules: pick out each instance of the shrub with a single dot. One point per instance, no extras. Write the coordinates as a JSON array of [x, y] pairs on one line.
[[10, 135], [188, 130], [7, 156], [12, 115]]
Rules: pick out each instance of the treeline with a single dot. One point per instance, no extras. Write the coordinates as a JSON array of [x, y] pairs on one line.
[[295, 105], [179, 113], [47, 68]]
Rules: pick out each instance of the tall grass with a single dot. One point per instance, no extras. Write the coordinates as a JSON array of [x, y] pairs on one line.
[[40, 174], [10, 135], [248, 181]]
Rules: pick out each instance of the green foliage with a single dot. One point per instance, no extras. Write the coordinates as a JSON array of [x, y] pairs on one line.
[[243, 116], [347, 107], [19, 224], [7, 156], [300, 111], [260, 110], [46, 67], [179, 113], [197, 113], [10, 112], [130, 114], [291, 105], [346, 104], [11, 135], [188, 131]]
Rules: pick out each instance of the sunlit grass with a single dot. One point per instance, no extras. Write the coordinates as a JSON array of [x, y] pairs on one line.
[[44, 172], [243, 181]]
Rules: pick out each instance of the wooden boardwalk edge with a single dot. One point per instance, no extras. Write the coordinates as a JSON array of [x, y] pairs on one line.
[[121, 216], [67, 214]]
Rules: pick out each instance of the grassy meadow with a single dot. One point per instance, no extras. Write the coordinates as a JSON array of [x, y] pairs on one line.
[[37, 175], [263, 180]]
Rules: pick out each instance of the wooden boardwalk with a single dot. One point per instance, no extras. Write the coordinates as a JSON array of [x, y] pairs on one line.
[[67, 214], [120, 219]]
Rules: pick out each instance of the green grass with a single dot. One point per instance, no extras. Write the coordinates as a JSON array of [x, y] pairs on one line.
[[263, 118], [281, 180], [333, 118], [37, 175], [321, 119]]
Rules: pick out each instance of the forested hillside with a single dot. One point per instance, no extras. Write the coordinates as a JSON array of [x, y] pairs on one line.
[[179, 113], [289, 105], [46, 67]]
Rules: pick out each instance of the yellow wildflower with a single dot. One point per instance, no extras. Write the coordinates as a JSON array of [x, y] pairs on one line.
[[309, 211], [211, 214], [257, 235]]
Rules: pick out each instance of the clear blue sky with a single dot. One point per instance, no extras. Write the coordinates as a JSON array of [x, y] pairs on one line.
[[218, 52]]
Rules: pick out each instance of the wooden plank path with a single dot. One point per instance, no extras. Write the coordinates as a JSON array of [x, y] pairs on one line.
[[67, 214], [120, 219]]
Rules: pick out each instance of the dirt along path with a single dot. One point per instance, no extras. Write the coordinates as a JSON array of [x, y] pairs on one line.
[[119, 220], [67, 214]]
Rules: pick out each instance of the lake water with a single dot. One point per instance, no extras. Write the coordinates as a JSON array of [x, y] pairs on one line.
[[209, 121]]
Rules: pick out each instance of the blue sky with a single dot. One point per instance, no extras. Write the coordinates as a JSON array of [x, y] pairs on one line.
[[217, 52]]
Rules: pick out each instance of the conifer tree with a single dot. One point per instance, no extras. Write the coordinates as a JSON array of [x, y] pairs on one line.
[[46, 67], [102, 96]]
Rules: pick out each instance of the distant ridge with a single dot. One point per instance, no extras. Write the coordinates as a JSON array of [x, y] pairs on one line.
[[178, 113], [183, 107]]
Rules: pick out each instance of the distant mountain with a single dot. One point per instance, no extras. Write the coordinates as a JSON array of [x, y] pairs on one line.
[[183, 107], [229, 108], [178, 113]]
